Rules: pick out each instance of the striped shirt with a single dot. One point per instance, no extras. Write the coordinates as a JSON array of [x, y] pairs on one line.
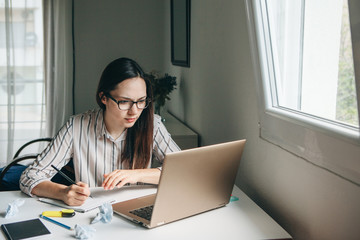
[[85, 139]]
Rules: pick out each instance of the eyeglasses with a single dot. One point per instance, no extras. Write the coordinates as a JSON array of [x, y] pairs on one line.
[[127, 104]]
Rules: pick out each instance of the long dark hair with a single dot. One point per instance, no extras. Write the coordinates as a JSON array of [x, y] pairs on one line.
[[139, 138]]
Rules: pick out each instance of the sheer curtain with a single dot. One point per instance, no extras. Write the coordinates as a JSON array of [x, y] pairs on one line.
[[35, 71], [58, 63], [21, 75]]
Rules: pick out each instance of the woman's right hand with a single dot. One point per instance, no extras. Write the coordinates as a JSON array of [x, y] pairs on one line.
[[76, 195]]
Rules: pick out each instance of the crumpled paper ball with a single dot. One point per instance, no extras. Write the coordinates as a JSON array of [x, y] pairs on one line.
[[105, 214], [84, 232], [13, 207]]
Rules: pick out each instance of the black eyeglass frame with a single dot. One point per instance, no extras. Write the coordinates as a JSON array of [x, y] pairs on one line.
[[132, 104]]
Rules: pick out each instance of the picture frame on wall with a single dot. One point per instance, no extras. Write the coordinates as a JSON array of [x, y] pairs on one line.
[[180, 32]]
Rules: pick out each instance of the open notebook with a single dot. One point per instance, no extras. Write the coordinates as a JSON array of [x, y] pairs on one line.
[[100, 196]]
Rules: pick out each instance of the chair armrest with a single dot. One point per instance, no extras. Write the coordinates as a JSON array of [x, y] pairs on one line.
[[31, 142]]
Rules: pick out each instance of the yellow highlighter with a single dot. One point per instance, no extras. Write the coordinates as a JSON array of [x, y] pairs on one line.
[[62, 213]]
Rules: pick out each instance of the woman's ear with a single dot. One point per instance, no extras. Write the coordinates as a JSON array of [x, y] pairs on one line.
[[103, 98]]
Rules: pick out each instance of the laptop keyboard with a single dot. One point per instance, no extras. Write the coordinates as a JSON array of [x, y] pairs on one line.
[[144, 212]]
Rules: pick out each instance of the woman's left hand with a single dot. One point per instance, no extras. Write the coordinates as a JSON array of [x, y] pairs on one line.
[[119, 178]]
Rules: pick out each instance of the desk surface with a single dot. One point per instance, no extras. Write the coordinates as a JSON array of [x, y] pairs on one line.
[[241, 219]]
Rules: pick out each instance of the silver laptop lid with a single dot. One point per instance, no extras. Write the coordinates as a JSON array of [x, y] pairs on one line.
[[196, 180]]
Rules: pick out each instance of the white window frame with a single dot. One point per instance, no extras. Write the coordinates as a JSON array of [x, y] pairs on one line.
[[334, 147]]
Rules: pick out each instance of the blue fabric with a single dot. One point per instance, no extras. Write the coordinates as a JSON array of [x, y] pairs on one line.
[[10, 181]]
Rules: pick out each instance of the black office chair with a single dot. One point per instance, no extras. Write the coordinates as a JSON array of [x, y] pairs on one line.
[[10, 175]]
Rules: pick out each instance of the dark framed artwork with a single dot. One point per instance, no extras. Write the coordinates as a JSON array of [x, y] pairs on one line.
[[180, 32]]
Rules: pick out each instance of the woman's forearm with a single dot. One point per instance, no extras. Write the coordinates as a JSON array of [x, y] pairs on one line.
[[151, 175], [50, 190]]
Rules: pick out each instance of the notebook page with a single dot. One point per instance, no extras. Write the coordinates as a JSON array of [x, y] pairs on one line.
[[100, 196]]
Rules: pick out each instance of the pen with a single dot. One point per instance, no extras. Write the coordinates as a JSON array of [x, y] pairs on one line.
[[56, 222], [65, 176]]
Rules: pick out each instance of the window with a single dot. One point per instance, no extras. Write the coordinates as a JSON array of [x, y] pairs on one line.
[[307, 80], [312, 58], [22, 104]]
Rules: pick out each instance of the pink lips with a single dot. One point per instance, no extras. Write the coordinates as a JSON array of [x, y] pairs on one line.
[[130, 120]]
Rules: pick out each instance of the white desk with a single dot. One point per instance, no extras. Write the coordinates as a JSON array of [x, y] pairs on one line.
[[241, 219]]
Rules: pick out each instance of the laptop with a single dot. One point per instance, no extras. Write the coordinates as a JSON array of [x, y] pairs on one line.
[[192, 182]]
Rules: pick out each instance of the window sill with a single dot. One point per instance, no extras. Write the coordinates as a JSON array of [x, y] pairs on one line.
[[334, 149]]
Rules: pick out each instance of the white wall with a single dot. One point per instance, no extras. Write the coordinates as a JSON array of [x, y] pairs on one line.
[[309, 202]]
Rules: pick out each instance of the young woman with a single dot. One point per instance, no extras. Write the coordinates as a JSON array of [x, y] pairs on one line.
[[112, 146]]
